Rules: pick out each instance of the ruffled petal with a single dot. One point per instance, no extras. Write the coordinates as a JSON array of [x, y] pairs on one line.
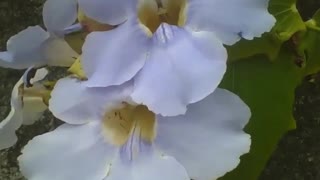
[[24, 54], [114, 57], [59, 14], [58, 52], [69, 152], [231, 19], [111, 12], [209, 139], [147, 166], [183, 68], [75, 103]]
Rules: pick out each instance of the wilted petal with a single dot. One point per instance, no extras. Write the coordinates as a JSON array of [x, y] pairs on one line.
[[13, 121], [24, 54], [69, 152], [57, 52], [209, 139], [183, 68], [33, 109], [111, 12], [26, 112], [147, 166], [75, 103], [59, 14], [114, 57], [231, 19]]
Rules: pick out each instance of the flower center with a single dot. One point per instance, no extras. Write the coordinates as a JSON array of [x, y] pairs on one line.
[[152, 13], [120, 124]]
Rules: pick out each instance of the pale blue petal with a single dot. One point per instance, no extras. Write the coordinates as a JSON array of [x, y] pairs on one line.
[[20, 43], [183, 68], [74, 103], [114, 57], [209, 139], [231, 19], [59, 14], [111, 12], [70, 152], [23, 53], [147, 166]]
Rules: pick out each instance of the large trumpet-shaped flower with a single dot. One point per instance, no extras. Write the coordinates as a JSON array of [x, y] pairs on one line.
[[107, 136], [36, 47], [173, 50], [24, 109]]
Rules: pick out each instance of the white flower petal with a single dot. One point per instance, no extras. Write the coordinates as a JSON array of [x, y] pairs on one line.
[[59, 14], [147, 166], [114, 57], [209, 139], [75, 103], [183, 68], [231, 19], [69, 152], [58, 52], [23, 53], [111, 12]]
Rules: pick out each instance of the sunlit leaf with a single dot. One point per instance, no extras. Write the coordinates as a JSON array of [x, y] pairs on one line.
[[310, 45]]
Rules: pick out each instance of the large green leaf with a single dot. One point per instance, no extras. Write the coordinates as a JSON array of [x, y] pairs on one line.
[[268, 89], [288, 23]]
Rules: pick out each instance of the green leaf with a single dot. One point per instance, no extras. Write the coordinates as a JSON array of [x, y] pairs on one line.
[[288, 23], [268, 44], [268, 89], [288, 18], [310, 45]]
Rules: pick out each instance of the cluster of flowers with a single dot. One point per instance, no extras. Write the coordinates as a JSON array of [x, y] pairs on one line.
[[142, 102]]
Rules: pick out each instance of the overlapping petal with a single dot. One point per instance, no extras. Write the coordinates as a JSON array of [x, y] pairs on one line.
[[111, 12], [230, 20], [183, 68], [75, 103], [209, 139], [23, 111], [69, 152], [114, 57], [59, 14]]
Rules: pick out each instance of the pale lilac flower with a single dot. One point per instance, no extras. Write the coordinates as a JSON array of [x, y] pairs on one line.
[[24, 110], [36, 47], [172, 50], [107, 136]]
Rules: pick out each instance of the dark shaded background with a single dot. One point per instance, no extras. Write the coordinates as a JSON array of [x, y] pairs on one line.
[[297, 156]]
